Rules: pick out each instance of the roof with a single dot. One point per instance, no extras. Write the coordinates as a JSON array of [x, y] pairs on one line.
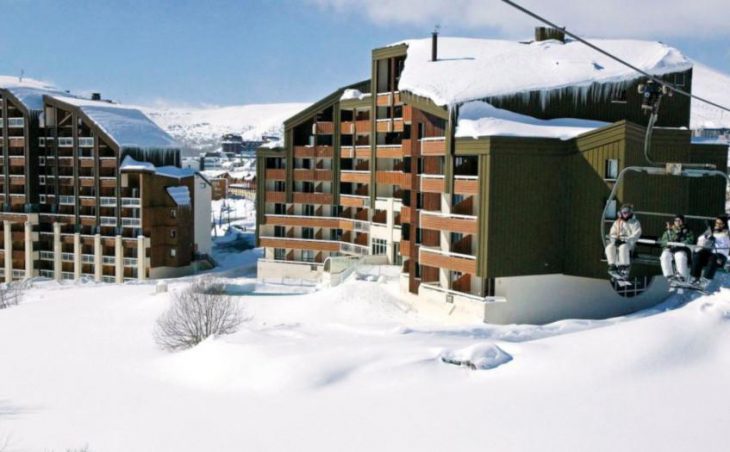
[[29, 92], [180, 194], [480, 119], [132, 165], [470, 69], [127, 126]]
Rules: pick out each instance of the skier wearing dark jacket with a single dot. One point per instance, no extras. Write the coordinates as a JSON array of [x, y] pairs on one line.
[[676, 232]]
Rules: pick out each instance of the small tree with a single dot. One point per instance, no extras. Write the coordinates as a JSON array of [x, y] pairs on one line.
[[198, 312], [10, 294]]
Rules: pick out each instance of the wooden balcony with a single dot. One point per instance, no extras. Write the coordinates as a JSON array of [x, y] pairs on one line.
[[392, 177], [275, 196], [361, 152], [466, 185], [362, 177], [353, 200], [16, 142], [437, 259], [405, 248], [312, 198], [389, 151], [305, 221], [432, 184], [384, 126], [324, 128], [312, 175], [384, 100], [275, 174], [108, 162], [17, 160], [86, 163], [300, 244], [106, 183], [407, 114], [313, 152], [405, 214], [451, 223], [431, 146]]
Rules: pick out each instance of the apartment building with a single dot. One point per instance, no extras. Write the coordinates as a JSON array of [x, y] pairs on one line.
[[482, 168], [90, 189]]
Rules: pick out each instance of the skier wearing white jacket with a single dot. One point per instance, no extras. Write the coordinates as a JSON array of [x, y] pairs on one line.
[[623, 236]]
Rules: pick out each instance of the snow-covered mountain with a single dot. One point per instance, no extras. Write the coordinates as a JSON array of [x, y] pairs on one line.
[[200, 129]]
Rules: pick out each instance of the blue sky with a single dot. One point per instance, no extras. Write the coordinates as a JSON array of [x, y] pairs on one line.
[[227, 52]]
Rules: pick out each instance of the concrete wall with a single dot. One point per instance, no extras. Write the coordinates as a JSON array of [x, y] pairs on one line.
[[548, 298], [273, 270]]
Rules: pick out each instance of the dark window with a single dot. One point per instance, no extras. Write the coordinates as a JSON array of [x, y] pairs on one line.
[[307, 233]]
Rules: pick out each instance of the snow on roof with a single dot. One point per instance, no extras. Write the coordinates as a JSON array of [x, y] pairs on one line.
[[353, 94], [274, 144], [480, 119], [130, 164], [214, 174], [469, 69], [127, 126], [29, 92], [711, 85], [179, 194]]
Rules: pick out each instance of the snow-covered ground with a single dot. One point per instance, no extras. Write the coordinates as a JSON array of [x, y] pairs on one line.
[[356, 368], [202, 128]]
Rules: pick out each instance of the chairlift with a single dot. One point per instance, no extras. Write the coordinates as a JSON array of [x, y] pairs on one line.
[[652, 93]]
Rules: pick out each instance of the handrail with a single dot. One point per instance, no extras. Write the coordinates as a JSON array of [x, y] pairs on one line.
[[490, 299]]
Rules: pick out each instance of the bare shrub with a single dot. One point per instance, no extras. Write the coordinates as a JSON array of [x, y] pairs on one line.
[[11, 294], [198, 312]]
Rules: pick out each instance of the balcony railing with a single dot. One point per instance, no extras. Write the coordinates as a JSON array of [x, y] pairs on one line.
[[86, 142], [108, 201], [108, 221], [131, 202], [66, 200], [65, 142], [131, 222]]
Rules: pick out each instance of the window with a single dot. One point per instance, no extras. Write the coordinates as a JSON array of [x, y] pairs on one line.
[[279, 254], [279, 185], [380, 246], [456, 199], [419, 235], [308, 187], [173, 233], [307, 233], [620, 97], [42, 199], [41, 161], [335, 234], [610, 171], [42, 180], [173, 213], [679, 79], [397, 257], [173, 252], [308, 256], [280, 209], [456, 238], [308, 210], [279, 231]]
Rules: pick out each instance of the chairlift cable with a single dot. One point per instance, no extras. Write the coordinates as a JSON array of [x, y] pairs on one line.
[[615, 58]]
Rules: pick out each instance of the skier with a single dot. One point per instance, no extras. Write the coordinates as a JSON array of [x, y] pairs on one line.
[[623, 235], [715, 246], [676, 232]]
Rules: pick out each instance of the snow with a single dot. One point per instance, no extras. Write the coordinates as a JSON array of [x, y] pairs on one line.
[[479, 119], [179, 194], [30, 92], [712, 85], [130, 164], [202, 128], [470, 69], [356, 365], [353, 94], [128, 126]]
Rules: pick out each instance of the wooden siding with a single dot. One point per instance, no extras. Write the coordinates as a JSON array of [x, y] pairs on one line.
[[452, 224], [300, 244], [275, 174], [389, 152], [466, 186], [312, 198], [362, 177], [433, 147], [352, 201], [451, 262], [312, 175], [275, 196], [313, 151]]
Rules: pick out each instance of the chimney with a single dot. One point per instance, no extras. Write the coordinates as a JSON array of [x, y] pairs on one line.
[[545, 33], [95, 96], [435, 44]]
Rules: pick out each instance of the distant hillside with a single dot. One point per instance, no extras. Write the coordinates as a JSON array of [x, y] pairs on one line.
[[200, 129]]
